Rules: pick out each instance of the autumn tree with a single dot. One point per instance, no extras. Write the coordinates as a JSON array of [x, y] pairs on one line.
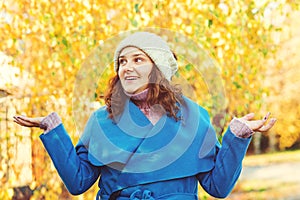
[[49, 42]]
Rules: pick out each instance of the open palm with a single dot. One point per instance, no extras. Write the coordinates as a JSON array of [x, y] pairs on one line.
[[28, 121], [258, 125]]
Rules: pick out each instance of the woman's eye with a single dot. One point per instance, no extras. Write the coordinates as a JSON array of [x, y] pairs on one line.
[[138, 60], [122, 61]]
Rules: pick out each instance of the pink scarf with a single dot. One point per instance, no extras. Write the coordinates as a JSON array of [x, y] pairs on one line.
[[148, 112]]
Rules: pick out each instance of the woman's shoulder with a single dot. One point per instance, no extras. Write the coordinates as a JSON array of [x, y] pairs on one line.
[[194, 105], [101, 113]]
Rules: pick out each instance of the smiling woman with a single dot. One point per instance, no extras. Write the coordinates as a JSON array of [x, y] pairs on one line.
[[134, 70], [149, 141]]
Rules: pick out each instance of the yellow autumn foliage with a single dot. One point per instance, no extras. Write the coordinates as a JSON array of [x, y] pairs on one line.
[[50, 44]]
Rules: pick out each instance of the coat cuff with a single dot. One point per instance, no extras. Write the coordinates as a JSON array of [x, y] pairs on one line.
[[50, 122], [240, 129]]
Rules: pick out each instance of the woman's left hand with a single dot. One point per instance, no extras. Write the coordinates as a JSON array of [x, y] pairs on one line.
[[258, 125], [28, 121]]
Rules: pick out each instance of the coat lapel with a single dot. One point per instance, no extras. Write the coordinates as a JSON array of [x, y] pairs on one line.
[[111, 142], [148, 153]]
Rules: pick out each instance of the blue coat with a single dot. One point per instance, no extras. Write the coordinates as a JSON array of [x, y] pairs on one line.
[[142, 161]]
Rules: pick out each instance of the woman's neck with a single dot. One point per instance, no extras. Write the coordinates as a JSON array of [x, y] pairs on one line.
[[139, 98]]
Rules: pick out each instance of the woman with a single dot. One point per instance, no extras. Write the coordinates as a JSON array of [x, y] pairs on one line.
[[149, 141]]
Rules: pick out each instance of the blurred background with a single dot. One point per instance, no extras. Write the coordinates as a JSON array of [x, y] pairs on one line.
[[255, 45]]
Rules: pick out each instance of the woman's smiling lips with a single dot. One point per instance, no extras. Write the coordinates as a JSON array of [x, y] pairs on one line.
[[130, 78]]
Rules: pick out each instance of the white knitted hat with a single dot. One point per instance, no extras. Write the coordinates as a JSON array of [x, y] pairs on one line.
[[155, 47]]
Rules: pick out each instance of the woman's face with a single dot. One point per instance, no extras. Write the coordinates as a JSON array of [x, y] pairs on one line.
[[134, 69]]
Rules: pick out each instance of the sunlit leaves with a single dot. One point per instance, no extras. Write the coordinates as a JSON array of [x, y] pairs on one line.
[[50, 40]]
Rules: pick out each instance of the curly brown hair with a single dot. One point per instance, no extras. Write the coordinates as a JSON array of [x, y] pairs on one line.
[[161, 96]]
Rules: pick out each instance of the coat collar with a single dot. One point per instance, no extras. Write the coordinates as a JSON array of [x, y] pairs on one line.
[[150, 153]]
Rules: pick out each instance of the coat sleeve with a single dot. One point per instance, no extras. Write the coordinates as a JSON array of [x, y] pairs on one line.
[[219, 181], [72, 164]]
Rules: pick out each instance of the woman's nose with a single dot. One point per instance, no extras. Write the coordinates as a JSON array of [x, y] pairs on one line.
[[128, 67]]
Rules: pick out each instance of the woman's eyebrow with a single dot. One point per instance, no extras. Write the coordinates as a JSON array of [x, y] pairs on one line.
[[138, 54], [134, 55]]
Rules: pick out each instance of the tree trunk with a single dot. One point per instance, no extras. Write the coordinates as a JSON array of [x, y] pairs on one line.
[[256, 143]]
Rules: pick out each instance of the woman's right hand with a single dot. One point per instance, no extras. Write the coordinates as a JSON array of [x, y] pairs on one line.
[[28, 121]]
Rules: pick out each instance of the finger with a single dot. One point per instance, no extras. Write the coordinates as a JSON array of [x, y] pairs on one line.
[[257, 124], [16, 121], [268, 126], [267, 116], [248, 116], [36, 121], [24, 118], [23, 123], [262, 123], [26, 123]]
